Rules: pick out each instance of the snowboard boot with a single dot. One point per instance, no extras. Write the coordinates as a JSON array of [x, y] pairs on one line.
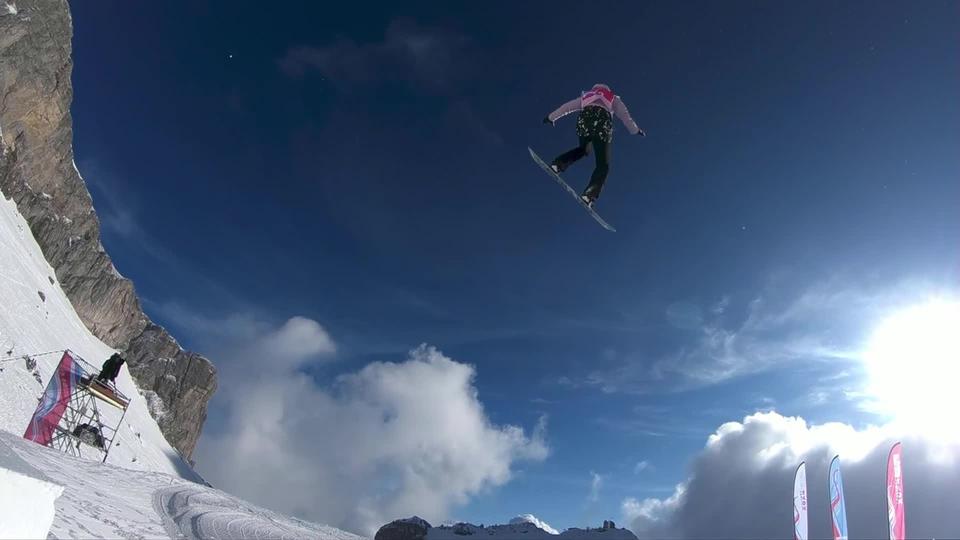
[[587, 200]]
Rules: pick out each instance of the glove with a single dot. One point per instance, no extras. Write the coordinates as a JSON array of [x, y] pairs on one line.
[[547, 120], [642, 133]]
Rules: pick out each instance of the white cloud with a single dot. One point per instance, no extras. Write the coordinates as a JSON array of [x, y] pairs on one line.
[[648, 514], [424, 57], [827, 322], [596, 482], [741, 482], [119, 210], [641, 466], [388, 441], [232, 327], [818, 396], [769, 335], [297, 340], [721, 305], [247, 348]]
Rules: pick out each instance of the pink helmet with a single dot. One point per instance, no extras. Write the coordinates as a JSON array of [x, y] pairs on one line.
[[600, 95], [603, 89]]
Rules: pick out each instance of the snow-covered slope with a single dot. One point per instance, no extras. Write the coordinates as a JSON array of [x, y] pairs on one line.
[[145, 490], [103, 501], [36, 317], [27, 498]]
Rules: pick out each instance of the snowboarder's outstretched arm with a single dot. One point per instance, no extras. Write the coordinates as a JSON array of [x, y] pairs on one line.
[[620, 109], [571, 106]]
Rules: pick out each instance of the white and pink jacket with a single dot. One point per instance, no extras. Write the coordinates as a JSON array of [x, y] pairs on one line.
[[598, 96]]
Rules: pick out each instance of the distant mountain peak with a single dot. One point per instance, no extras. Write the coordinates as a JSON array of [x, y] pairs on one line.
[[522, 527], [530, 518]]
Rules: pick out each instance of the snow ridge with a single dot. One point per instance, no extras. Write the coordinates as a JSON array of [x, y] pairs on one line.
[[530, 518]]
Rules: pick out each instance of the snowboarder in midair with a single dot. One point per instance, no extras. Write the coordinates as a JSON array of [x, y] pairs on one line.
[[595, 130]]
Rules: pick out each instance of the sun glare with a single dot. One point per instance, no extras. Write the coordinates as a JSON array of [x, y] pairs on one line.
[[913, 360]]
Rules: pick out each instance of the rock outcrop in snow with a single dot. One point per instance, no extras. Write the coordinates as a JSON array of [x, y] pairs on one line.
[[412, 528], [37, 172]]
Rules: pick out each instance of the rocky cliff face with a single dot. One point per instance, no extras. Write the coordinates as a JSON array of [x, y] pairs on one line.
[[38, 173]]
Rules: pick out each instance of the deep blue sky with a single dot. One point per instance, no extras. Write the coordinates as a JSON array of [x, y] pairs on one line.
[[793, 152]]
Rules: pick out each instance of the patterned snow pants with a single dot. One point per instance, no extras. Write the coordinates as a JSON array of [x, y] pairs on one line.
[[595, 131]]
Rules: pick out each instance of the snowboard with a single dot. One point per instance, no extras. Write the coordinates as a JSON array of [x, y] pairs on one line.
[[570, 190]]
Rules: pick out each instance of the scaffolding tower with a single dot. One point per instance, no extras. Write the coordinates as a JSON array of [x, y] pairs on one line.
[[83, 431]]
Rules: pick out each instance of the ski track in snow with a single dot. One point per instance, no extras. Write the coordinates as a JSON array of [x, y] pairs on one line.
[[193, 512], [98, 501], [103, 501]]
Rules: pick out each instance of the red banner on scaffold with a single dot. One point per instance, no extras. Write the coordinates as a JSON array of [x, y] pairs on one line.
[[50, 409]]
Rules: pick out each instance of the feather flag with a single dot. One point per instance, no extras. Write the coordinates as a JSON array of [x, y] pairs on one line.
[[838, 508], [896, 513], [800, 503]]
